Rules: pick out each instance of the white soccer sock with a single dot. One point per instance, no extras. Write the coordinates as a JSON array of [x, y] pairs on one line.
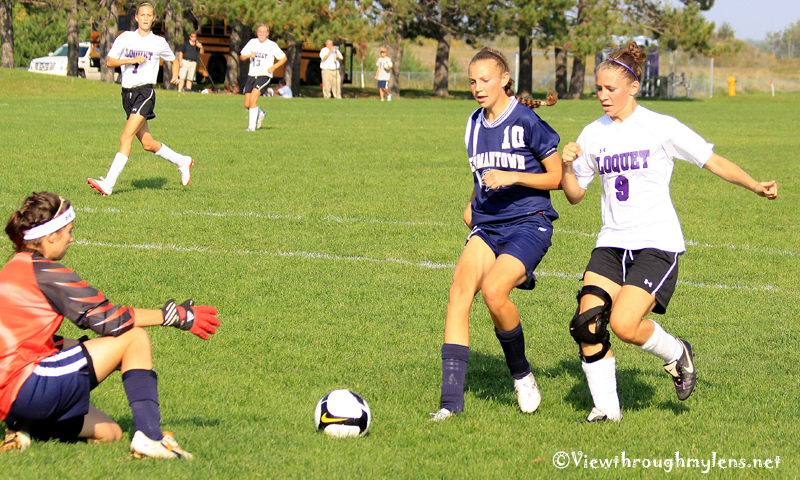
[[663, 345], [174, 157], [602, 379], [253, 117], [115, 169]]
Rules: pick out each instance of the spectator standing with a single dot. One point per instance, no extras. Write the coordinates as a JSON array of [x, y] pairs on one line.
[[188, 55], [383, 74], [331, 79]]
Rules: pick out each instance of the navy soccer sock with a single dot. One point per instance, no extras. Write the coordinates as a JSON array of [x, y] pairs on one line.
[[141, 387], [454, 371], [513, 343]]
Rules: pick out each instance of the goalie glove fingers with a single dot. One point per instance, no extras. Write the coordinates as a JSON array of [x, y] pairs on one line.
[[205, 322]]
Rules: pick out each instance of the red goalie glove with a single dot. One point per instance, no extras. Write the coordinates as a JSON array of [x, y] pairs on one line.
[[199, 320]]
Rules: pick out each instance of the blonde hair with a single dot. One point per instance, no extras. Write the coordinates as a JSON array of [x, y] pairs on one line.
[[502, 63]]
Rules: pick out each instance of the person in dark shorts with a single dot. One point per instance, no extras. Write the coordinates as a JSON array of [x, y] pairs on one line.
[[46, 380], [634, 266]]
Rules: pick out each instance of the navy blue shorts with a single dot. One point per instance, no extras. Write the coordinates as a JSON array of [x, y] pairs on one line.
[[526, 239], [140, 100], [650, 269], [54, 399], [258, 83], [382, 83]]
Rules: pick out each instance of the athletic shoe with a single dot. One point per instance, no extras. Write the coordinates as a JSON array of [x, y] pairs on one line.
[[100, 186], [261, 117], [186, 172], [167, 448], [250, 129], [441, 415], [16, 440], [594, 416], [528, 395], [682, 371], [390, 97]]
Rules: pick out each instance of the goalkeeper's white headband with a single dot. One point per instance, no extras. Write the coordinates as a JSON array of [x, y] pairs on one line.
[[53, 225]]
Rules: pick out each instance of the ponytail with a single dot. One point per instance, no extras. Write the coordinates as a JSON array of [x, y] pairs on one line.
[[502, 63], [37, 209]]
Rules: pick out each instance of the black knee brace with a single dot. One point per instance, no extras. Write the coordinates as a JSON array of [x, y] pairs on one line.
[[579, 326]]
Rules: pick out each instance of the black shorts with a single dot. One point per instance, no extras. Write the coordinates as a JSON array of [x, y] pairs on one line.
[[140, 100], [259, 83], [650, 269], [54, 400]]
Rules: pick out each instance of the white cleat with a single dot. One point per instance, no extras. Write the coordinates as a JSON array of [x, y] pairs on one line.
[[186, 172], [100, 186], [261, 117], [167, 448], [528, 395], [442, 414], [16, 440]]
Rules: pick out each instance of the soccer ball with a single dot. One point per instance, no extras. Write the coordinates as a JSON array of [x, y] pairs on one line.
[[387, 65], [342, 414]]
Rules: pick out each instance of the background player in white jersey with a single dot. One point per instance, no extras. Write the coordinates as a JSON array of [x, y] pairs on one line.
[[514, 160], [262, 53], [138, 53], [634, 267]]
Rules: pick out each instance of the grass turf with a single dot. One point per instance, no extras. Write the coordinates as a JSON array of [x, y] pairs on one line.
[[327, 240]]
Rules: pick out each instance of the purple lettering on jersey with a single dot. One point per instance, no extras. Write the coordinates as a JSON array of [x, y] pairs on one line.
[[599, 165], [607, 163], [623, 161], [615, 163], [644, 154], [634, 161]]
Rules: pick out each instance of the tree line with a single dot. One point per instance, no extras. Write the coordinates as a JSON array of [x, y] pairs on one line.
[[577, 27]]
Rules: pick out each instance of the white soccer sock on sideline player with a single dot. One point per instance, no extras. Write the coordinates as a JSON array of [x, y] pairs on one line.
[[663, 345], [602, 379], [171, 155], [115, 169], [253, 117]]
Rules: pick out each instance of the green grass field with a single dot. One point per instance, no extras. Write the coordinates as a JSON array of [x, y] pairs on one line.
[[327, 240]]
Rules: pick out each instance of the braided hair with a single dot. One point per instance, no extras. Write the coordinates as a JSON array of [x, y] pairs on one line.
[[502, 63]]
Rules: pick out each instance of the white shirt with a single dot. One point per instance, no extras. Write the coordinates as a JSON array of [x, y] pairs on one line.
[[332, 63], [285, 92], [383, 74], [266, 54], [634, 160], [132, 45]]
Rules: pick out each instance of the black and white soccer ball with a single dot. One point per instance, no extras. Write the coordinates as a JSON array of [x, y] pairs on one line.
[[342, 414]]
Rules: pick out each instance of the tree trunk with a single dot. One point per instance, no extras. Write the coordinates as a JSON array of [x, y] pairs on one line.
[[108, 32], [130, 12], [395, 53], [561, 72], [73, 47], [525, 87], [576, 81], [442, 68], [173, 34], [237, 39], [6, 34], [291, 69]]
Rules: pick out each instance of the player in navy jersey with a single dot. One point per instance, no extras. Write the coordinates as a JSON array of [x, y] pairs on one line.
[[514, 161], [45, 380], [634, 267], [138, 54]]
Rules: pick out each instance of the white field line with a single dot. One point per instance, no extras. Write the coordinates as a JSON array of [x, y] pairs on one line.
[[399, 261]]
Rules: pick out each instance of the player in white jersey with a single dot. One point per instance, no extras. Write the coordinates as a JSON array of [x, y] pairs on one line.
[[262, 53], [634, 267], [138, 54], [514, 161]]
